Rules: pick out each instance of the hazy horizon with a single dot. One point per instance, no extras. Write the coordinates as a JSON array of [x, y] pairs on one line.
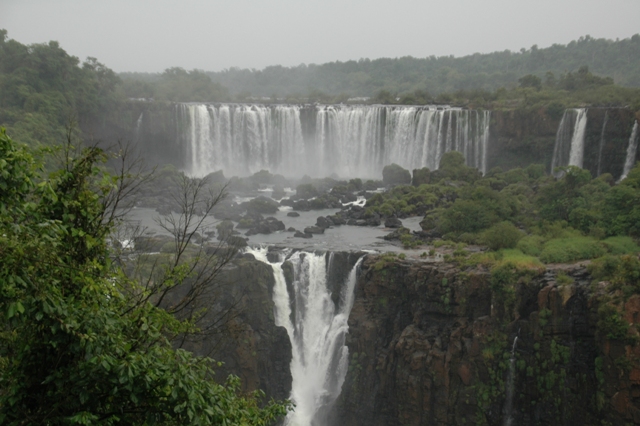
[[150, 36]]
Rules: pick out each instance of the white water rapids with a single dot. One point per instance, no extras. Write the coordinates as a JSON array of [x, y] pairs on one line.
[[317, 330]]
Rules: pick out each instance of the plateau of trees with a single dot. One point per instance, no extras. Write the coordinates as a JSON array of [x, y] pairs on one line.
[[619, 60], [176, 85], [81, 341], [552, 220]]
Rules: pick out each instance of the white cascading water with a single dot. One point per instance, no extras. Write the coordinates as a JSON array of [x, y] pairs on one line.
[[601, 145], [317, 330], [508, 404], [347, 140], [139, 126], [577, 141], [569, 147], [632, 150]]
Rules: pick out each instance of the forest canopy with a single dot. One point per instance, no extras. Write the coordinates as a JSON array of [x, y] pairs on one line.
[[619, 60]]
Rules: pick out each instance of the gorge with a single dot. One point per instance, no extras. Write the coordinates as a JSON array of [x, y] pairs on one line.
[[428, 341], [257, 247]]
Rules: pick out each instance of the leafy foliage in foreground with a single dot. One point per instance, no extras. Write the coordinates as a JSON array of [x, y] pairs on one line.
[[73, 348]]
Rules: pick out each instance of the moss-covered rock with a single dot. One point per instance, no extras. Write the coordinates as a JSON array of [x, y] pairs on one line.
[[394, 174]]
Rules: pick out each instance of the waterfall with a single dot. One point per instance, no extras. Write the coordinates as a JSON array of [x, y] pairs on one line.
[[569, 147], [138, 126], [577, 141], [317, 330], [508, 404], [604, 126], [632, 149], [352, 141], [485, 141]]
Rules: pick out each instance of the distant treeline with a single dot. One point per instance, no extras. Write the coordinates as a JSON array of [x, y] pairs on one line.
[[45, 92], [619, 60], [43, 89]]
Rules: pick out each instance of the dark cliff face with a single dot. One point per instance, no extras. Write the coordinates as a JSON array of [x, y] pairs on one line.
[[432, 345], [153, 128], [518, 137], [248, 342]]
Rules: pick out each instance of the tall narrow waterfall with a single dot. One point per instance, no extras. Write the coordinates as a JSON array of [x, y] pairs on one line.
[[601, 146], [317, 328], [569, 147], [139, 125], [632, 150], [348, 140], [510, 385]]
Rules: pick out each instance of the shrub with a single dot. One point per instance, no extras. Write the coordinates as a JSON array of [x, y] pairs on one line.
[[386, 209], [393, 174], [563, 279], [444, 243], [531, 245], [262, 205], [306, 191], [466, 216], [409, 241], [519, 260], [452, 166], [611, 324], [421, 176], [562, 250], [622, 271], [225, 229], [620, 245], [501, 235]]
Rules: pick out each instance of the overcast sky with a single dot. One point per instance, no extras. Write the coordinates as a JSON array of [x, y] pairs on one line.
[[151, 35]]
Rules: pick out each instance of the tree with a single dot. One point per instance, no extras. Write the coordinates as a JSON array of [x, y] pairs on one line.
[[75, 348], [621, 207], [452, 166], [530, 80], [394, 174]]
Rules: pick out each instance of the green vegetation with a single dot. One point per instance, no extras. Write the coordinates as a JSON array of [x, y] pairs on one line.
[[393, 174], [503, 235], [81, 341], [425, 80], [571, 218], [43, 89], [564, 250], [177, 85], [555, 78]]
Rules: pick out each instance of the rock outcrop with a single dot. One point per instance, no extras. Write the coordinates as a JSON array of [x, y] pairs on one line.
[[245, 337], [431, 344]]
